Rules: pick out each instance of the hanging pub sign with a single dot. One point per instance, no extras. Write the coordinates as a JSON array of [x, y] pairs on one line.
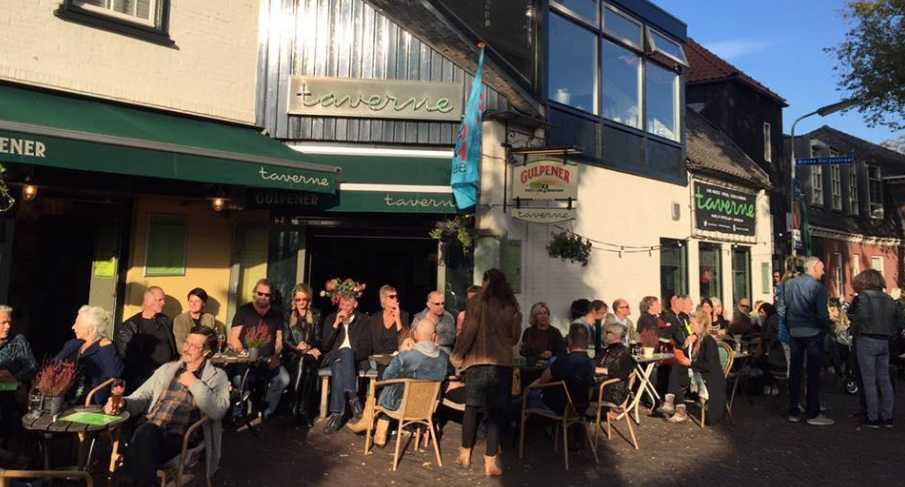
[[718, 209], [545, 179], [375, 98], [543, 215]]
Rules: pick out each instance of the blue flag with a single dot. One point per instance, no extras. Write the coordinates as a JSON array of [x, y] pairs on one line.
[[465, 174]]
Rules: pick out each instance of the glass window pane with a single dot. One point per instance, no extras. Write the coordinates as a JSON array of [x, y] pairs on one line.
[[585, 8], [572, 65], [741, 274], [673, 266], [710, 270], [660, 85], [620, 26], [668, 46], [621, 73]]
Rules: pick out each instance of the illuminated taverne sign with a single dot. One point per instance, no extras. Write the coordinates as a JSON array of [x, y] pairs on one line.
[[375, 98]]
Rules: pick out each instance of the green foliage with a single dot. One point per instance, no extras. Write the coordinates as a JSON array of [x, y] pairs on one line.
[[872, 60], [571, 247], [6, 199], [459, 229]]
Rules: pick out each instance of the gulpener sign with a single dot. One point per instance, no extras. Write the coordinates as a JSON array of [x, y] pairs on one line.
[[719, 209]]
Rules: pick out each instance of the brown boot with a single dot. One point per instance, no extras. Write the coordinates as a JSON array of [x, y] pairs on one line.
[[681, 415], [491, 467], [464, 459], [380, 432], [359, 426]]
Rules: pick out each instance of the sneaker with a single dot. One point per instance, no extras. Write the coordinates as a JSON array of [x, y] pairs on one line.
[[886, 423], [820, 420], [867, 423], [794, 418], [334, 423]]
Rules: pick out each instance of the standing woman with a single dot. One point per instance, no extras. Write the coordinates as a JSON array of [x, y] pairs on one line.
[[95, 354], [301, 342], [492, 327], [875, 318]]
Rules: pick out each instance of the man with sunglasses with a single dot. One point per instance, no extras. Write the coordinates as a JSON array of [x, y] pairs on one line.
[[444, 322], [251, 315], [741, 319]]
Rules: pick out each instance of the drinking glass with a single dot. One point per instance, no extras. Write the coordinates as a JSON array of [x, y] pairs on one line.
[[221, 342], [117, 389], [35, 403]]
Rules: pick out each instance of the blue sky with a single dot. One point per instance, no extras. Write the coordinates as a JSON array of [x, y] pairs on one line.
[[780, 44]]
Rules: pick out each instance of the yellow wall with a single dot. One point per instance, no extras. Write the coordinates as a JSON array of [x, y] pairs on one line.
[[208, 261]]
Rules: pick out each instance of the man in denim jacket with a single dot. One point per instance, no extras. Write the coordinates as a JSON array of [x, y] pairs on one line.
[[808, 320]]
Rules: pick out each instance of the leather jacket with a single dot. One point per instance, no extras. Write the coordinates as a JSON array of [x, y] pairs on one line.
[[876, 313], [298, 330]]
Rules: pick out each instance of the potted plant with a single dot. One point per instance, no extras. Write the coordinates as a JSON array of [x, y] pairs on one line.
[[571, 247], [53, 381], [458, 229], [257, 338], [649, 340]]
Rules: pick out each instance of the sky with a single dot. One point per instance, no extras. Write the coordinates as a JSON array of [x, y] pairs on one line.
[[780, 44]]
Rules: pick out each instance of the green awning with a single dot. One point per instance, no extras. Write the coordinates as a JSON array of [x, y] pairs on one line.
[[61, 131]]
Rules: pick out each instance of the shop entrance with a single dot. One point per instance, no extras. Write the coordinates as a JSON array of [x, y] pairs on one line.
[[407, 263], [64, 254]]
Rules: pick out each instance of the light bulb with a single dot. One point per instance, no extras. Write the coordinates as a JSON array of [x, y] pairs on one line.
[[217, 204], [29, 192]]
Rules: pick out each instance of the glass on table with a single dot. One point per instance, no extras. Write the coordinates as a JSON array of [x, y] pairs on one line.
[[117, 390]]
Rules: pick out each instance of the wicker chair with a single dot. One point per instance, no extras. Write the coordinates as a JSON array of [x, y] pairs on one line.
[[569, 417], [727, 357], [622, 409], [419, 401], [5, 475]]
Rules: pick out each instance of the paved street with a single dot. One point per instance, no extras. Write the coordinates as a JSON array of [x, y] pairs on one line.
[[759, 448]]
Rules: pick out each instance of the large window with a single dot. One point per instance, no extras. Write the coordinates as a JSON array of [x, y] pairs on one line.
[[621, 79], [741, 274], [638, 68], [876, 263], [768, 143], [836, 186], [146, 19], [816, 185], [853, 191], [856, 265], [875, 193], [673, 269], [573, 67], [710, 270], [839, 275], [662, 86]]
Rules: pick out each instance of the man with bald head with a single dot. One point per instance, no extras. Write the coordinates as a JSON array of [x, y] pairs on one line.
[[424, 361], [621, 311], [444, 322], [145, 341]]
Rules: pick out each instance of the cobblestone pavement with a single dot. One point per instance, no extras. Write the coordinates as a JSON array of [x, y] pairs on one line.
[[759, 448]]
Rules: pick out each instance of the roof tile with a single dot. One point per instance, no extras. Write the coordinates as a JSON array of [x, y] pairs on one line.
[[707, 66]]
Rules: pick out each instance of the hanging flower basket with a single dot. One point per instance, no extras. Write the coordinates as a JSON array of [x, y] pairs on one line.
[[6, 200], [457, 229], [571, 247]]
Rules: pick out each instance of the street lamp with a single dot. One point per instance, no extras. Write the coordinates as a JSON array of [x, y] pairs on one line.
[[823, 111]]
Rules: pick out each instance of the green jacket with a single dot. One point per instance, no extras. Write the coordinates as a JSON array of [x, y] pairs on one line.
[[183, 323]]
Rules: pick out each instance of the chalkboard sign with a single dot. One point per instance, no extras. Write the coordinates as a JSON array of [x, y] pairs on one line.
[[719, 209]]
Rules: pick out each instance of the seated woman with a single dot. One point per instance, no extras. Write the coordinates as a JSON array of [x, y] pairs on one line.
[[17, 362], [615, 363], [714, 307], [540, 340], [301, 339], [706, 377], [195, 316], [460, 319], [384, 331], [96, 355]]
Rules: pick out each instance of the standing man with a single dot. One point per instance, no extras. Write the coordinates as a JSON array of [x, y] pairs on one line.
[[145, 341], [251, 315], [620, 315], [343, 332], [808, 320], [444, 323]]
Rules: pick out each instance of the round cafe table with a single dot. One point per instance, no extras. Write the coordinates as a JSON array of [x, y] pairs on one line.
[[231, 358], [645, 367], [48, 425]]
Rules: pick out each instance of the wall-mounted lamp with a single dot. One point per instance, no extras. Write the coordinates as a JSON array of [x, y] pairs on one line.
[[217, 204], [29, 192]]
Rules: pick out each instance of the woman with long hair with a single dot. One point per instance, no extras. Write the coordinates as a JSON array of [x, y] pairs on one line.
[[301, 349], [540, 340], [492, 327]]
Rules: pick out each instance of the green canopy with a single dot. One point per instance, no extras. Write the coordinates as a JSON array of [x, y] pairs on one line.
[[42, 128]]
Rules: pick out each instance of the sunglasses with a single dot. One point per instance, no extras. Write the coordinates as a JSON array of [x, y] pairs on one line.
[[392, 296], [301, 300], [263, 295], [438, 304]]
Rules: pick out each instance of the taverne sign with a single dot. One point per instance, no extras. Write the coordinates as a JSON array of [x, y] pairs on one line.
[[718, 209]]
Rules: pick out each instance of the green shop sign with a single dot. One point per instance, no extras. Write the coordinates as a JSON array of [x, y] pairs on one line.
[[293, 202], [718, 209]]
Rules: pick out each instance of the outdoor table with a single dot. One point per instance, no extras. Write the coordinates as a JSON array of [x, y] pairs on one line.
[[737, 356], [523, 373], [231, 358], [645, 367], [48, 425], [238, 398], [384, 359]]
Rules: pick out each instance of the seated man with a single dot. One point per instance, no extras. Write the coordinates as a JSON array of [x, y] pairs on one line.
[[343, 332], [178, 394], [576, 369], [444, 322], [425, 361], [615, 363]]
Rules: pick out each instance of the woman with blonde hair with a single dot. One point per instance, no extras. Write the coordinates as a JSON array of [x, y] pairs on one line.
[[94, 353], [540, 340], [705, 374], [301, 352]]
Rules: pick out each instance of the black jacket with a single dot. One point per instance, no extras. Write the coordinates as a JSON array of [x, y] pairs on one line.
[[619, 363], [334, 337], [875, 313], [707, 363], [298, 330], [137, 346]]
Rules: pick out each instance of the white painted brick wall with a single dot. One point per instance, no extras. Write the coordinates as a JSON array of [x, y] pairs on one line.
[[211, 71]]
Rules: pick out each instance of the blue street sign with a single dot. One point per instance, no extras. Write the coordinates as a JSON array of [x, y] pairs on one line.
[[824, 161]]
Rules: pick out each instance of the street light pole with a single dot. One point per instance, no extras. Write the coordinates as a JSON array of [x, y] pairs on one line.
[[823, 111]]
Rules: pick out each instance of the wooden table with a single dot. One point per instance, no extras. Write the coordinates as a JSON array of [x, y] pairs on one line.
[[48, 425], [224, 359], [645, 367], [384, 359]]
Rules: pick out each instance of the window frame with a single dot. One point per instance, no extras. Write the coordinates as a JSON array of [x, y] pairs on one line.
[[877, 258], [682, 247], [568, 12], [856, 265], [870, 201], [637, 44], [817, 185], [768, 142], [649, 33], [836, 187], [639, 82], [853, 203], [158, 32], [596, 109], [677, 117], [839, 274]]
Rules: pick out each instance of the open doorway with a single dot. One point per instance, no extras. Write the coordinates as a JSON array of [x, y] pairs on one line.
[[408, 264]]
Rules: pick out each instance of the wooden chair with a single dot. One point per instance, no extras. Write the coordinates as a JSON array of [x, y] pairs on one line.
[[727, 357], [569, 417], [188, 457], [97, 389], [419, 401], [5, 475], [622, 409]]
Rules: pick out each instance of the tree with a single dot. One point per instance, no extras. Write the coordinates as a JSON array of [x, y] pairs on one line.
[[897, 145], [872, 60]]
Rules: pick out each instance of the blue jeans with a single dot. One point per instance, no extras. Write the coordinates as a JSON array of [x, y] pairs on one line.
[[813, 348], [873, 361], [278, 384], [344, 378], [514, 412]]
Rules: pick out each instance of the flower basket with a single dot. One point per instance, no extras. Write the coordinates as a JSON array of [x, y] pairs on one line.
[[257, 337], [571, 247], [458, 229], [336, 288], [56, 377]]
